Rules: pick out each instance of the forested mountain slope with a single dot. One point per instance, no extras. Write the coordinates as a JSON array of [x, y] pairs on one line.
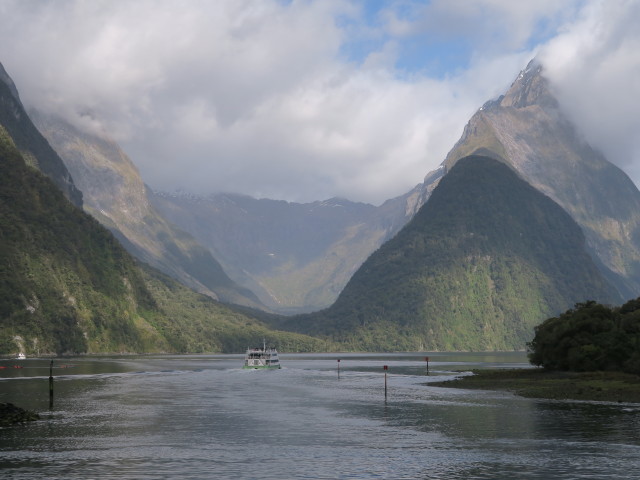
[[528, 129], [34, 148], [486, 259], [67, 286], [115, 195]]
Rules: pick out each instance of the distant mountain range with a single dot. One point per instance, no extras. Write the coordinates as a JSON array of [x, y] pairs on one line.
[[67, 286], [481, 263], [116, 196], [522, 219], [299, 257], [296, 257], [268, 254]]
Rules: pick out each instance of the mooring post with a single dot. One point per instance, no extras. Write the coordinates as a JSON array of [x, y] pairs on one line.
[[385, 381], [426, 359], [51, 385], [338, 368]]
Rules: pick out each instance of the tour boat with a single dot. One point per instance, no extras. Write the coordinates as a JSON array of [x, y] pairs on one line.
[[21, 356], [261, 358]]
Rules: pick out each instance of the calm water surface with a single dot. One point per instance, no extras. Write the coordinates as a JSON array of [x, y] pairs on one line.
[[192, 417]]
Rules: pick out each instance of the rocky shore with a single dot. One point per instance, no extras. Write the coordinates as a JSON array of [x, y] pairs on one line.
[[10, 414]]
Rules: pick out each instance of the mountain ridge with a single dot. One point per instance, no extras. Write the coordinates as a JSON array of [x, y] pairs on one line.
[[67, 286], [527, 129], [116, 195], [35, 149], [482, 262], [296, 257]]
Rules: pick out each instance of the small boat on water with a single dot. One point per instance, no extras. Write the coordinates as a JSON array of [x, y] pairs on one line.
[[21, 356], [261, 358]]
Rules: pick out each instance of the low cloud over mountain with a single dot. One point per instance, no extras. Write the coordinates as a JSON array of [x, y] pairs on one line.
[[310, 100]]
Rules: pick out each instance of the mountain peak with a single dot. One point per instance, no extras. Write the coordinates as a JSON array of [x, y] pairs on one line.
[[528, 130], [482, 262], [529, 88]]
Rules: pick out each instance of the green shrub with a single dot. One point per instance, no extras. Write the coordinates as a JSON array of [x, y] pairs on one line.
[[589, 337]]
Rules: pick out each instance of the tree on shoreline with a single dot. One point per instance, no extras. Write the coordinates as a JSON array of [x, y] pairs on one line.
[[589, 337]]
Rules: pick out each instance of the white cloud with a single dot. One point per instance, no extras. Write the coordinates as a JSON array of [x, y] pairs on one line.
[[299, 100], [490, 26], [594, 66]]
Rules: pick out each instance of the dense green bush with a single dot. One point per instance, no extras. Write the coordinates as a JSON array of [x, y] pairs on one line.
[[590, 337]]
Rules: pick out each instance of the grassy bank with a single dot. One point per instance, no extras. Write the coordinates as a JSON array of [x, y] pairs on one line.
[[539, 383]]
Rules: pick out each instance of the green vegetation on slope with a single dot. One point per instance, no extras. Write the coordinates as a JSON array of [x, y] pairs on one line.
[[67, 285], [35, 149], [483, 261], [527, 129], [194, 323], [116, 196], [63, 277]]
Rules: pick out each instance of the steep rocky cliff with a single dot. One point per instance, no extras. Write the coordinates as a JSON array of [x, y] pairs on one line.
[[526, 129], [115, 194], [32, 145], [486, 259]]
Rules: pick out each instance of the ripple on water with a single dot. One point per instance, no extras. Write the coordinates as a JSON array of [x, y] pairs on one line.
[[188, 418]]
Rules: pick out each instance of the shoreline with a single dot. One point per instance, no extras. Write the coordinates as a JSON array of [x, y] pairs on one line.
[[543, 384]]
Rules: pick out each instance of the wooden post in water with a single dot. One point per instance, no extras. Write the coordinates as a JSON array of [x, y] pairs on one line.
[[51, 385], [426, 359], [338, 368], [385, 381]]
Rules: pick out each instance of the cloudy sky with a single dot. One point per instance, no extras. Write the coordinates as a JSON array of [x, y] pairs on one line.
[[308, 99]]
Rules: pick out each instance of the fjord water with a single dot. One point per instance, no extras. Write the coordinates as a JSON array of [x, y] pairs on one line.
[[193, 417]]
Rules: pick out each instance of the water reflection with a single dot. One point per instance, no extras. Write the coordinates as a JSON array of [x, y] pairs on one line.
[[589, 421], [205, 417]]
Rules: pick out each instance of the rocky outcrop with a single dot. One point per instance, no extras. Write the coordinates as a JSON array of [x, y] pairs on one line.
[[526, 129], [11, 414]]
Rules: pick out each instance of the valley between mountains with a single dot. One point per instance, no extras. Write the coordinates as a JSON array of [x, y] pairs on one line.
[[522, 220]]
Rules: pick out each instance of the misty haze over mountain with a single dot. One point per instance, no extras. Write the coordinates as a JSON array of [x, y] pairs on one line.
[[306, 101], [322, 149]]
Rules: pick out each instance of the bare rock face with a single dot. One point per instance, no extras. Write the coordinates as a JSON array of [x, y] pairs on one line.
[[35, 150], [526, 129], [111, 184], [115, 195], [483, 262]]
